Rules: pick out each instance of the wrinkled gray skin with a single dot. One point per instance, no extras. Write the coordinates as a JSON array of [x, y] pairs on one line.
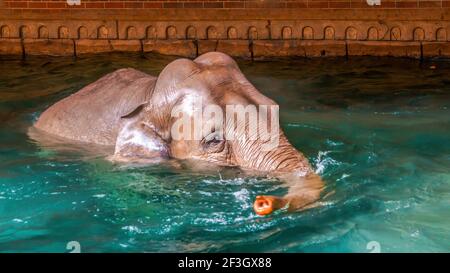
[[131, 111]]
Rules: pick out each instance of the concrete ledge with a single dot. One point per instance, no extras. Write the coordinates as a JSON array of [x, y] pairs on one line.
[[92, 46], [10, 47], [384, 48], [207, 46], [271, 48], [126, 45], [236, 48], [436, 49], [60, 47], [183, 48]]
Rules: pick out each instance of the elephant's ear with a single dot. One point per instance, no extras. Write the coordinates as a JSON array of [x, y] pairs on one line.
[[133, 111], [138, 141]]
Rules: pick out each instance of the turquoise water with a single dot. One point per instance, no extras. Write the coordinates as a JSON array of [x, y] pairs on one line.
[[377, 130]]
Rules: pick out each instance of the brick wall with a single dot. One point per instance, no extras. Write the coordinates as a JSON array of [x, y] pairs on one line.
[[222, 4]]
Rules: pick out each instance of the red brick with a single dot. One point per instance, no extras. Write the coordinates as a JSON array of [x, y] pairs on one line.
[[266, 4], [214, 5], [82, 5], [296, 5], [387, 4], [96, 5], [37, 5], [339, 5], [263, 4], [134, 5], [219, 4], [275, 5], [56, 5], [153, 5], [408, 4], [234, 5], [253, 4], [17, 4], [172, 5], [360, 4], [320, 4], [193, 5], [114, 5], [430, 4], [363, 4]]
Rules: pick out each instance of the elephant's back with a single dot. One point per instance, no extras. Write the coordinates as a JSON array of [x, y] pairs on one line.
[[93, 113]]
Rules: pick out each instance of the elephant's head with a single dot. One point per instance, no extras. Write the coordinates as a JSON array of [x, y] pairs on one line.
[[238, 125]]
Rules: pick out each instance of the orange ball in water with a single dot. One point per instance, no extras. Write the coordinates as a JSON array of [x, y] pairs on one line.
[[263, 205]]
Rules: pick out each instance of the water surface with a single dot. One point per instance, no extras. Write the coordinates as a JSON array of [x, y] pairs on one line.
[[376, 129]]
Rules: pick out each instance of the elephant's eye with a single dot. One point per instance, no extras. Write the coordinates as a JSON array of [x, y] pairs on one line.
[[213, 143]]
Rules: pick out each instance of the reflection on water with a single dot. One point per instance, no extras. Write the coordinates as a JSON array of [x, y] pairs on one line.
[[377, 130]]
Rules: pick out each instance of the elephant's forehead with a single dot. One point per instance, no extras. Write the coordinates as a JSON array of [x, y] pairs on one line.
[[219, 93], [195, 100], [227, 85], [213, 75]]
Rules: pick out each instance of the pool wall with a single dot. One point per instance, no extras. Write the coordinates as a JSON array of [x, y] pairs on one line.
[[252, 29]]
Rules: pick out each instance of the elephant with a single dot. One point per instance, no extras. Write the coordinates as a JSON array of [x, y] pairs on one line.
[[132, 112]]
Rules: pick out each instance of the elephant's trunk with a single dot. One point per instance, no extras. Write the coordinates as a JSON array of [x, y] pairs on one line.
[[303, 193], [291, 166], [281, 159]]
